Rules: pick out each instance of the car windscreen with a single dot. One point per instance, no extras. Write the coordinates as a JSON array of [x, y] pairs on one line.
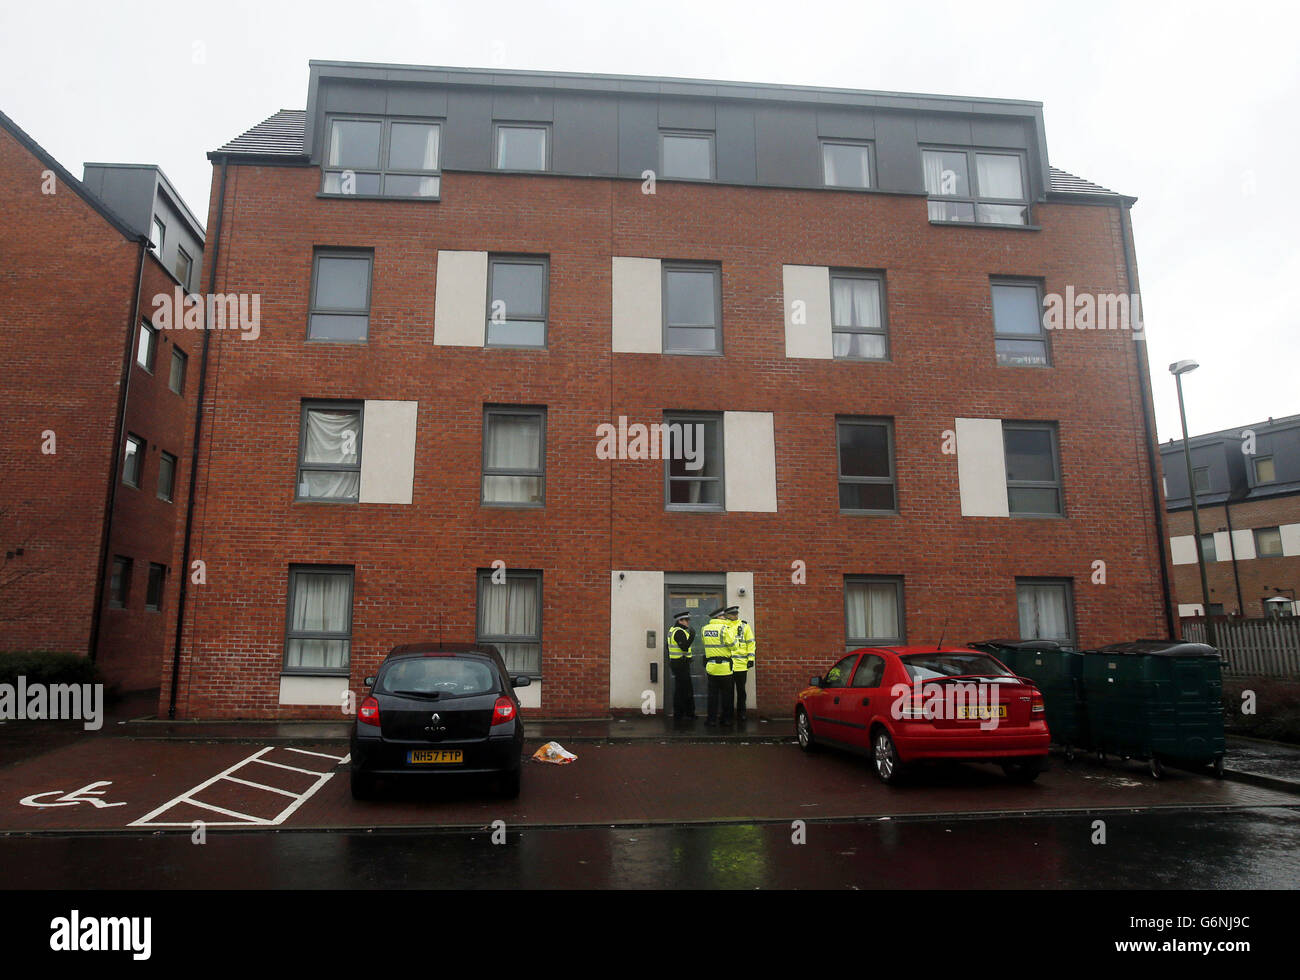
[[928, 666], [442, 677]]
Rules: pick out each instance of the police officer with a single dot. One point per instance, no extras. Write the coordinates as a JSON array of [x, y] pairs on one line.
[[742, 658], [719, 636], [680, 638]]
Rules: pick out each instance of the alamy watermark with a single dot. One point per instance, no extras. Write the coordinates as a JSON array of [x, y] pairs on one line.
[[53, 702], [1092, 311], [948, 701], [216, 311], [656, 440]]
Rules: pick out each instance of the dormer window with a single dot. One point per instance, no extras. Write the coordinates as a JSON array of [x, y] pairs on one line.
[[382, 158]]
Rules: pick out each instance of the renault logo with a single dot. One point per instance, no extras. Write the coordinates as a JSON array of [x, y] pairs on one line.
[[437, 717]]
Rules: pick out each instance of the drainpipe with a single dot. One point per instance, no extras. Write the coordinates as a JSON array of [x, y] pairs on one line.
[[1148, 424], [119, 430], [194, 449], [1232, 550]]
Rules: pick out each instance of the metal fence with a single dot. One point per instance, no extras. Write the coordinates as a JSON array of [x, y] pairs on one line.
[[1254, 647]]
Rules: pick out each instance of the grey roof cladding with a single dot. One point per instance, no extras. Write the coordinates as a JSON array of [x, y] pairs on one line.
[[284, 134]]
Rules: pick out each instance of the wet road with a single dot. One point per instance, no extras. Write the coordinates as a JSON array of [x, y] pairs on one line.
[[1240, 849]]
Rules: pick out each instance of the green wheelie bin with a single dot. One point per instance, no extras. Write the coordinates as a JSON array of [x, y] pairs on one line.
[[1156, 700], [1058, 673]]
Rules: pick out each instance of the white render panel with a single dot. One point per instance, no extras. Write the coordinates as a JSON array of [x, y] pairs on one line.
[[1290, 539], [460, 299], [388, 452], [1189, 609], [749, 461], [1182, 548], [1243, 544], [1221, 545], [807, 311], [638, 324], [328, 691], [981, 468], [636, 605], [530, 696]]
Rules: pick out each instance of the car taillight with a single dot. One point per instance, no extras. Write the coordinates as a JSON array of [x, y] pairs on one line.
[[503, 711], [368, 713], [1036, 705]]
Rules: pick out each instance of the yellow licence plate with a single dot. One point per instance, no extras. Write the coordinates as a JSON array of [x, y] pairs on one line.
[[434, 756], [982, 713]]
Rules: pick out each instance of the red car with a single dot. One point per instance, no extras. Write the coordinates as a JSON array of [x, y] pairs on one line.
[[908, 704]]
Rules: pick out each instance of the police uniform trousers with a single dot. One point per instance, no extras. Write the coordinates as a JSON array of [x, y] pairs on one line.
[[721, 689], [739, 683], [683, 688]]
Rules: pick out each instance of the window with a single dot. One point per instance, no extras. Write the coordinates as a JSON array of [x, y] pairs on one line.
[[184, 266], [510, 618], [995, 196], [521, 147], [873, 611], [176, 380], [514, 454], [119, 585], [134, 462], [1201, 478], [858, 316], [870, 672], [838, 676], [846, 164], [147, 347], [517, 302], [1046, 610], [382, 158], [1208, 551], [1264, 471], [340, 296], [866, 465], [1268, 542], [318, 639], [686, 155], [166, 476], [158, 236], [1033, 472], [692, 309], [1018, 324], [329, 452], [694, 470], [153, 594]]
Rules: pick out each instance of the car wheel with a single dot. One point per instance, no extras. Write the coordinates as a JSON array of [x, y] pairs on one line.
[[363, 785], [888, 766], [803, 731], [1022, 772], [510, 784], [1157, 770]]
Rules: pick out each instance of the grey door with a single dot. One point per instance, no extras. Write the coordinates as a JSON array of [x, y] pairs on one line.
[[698, 601]]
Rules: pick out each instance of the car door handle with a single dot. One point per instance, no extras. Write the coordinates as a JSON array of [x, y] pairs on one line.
[[865, 700], [837, 700]]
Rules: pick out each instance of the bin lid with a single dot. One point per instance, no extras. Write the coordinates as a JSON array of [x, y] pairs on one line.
[[1160, 648]]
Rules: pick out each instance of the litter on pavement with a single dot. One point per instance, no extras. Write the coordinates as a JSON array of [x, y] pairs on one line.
[[553, 752]]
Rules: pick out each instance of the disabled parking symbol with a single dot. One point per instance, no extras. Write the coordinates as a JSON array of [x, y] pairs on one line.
[[87, 794]]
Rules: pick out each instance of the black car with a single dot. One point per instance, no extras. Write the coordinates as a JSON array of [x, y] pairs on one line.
[[435, 709]]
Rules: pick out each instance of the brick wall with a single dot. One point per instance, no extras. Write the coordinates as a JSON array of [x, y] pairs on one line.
[[415, 564]]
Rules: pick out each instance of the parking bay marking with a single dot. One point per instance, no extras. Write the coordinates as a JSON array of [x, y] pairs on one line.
[[244, 819]]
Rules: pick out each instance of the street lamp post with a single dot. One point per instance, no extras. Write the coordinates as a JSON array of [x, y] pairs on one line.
[[1178, 369]]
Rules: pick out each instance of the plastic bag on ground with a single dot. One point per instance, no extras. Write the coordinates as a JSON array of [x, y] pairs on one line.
[[553, 752]]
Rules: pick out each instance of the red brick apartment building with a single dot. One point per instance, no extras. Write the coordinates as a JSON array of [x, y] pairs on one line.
[[1248, 494], [94, 407], [830, 298]]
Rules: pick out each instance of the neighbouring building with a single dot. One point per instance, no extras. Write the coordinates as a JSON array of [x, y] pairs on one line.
[[95, 408], [1248, 494], [493, 302]]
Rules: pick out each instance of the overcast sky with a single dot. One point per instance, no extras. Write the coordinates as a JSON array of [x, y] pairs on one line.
[[1191, 108]]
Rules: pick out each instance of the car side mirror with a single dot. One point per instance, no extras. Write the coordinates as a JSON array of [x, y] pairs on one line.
[[369, 682], [815, 682], [521, 681]]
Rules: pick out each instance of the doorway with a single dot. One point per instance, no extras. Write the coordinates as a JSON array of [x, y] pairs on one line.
[[697, 595]]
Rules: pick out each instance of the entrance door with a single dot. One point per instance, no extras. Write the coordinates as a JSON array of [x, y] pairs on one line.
[[699, 601]]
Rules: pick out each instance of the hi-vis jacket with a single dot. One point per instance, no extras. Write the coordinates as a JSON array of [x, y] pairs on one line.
[[679, 643], [742, 655], [719, 641]]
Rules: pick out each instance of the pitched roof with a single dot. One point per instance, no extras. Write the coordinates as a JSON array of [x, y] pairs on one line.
[[281, 135]]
